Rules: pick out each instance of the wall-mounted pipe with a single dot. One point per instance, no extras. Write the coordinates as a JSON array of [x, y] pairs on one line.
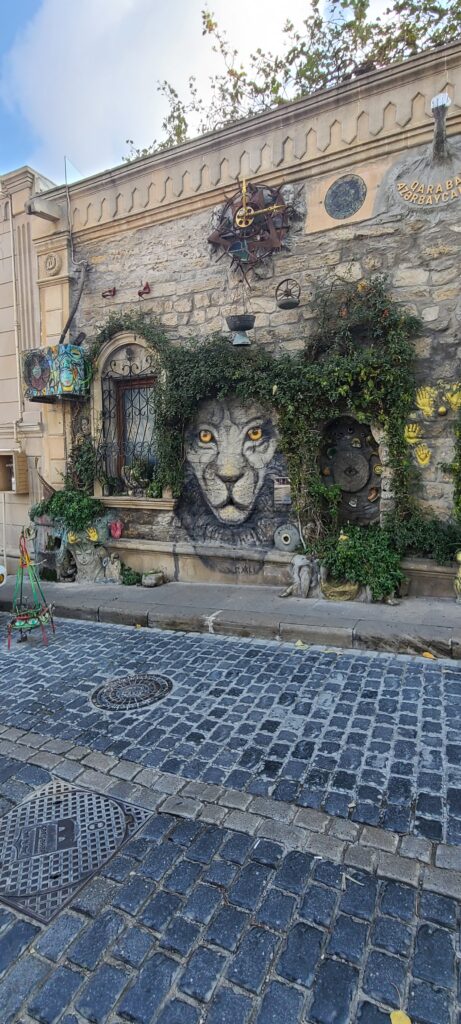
[[15, 322]]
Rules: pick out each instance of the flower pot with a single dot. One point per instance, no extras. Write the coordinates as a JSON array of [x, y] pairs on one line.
[[240, 322]]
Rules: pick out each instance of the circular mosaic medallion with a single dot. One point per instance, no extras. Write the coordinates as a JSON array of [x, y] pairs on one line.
[[131, 692], [345, 196]]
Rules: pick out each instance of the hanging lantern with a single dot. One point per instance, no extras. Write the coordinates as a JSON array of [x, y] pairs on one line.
[[287, 294]]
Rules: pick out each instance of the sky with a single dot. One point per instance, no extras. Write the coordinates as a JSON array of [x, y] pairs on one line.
[[78, 77]]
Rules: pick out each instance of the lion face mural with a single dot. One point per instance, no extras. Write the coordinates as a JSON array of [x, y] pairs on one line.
[[229, 448]]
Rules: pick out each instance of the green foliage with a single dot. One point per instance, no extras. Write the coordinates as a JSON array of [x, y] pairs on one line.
[[112, 484], [422, 535], [130, 577], [39, 509], [154, 489], [81, 467], [371, 380], [337, 42], [141, 471], [364, 555], [74, 509], [139, 322], [454, 468]]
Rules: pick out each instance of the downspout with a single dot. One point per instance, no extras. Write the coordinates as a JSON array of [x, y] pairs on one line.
[[15, 325]]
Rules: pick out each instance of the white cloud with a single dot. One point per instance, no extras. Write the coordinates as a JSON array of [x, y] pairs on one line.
[[84, 74]]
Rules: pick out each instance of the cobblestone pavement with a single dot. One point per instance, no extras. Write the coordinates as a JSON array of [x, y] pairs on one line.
[[191, 923], [370, 737]]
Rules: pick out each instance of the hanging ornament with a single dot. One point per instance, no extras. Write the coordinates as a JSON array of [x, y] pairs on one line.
[[287, 294]]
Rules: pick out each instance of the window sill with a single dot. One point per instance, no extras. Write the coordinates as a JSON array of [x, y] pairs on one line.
[[128, 501]]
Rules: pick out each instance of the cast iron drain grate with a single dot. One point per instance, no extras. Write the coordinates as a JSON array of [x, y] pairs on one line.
[[53, 842], [131, 692]]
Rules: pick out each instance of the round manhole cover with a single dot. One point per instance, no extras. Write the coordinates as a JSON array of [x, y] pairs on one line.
[[131, 692]]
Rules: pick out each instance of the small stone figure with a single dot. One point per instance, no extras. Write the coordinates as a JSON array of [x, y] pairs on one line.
[[88, 559], [112, 568], [307, 575], [457, 579]]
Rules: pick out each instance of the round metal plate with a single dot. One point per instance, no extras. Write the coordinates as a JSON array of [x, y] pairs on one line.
[[350, 470], [51, 843], [345, 196], [287, 538], [131, 692]]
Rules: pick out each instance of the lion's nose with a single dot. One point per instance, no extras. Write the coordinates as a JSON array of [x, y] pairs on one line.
[[230, 473]]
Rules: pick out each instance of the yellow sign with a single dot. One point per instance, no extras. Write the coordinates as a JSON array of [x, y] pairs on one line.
[[430, 195]]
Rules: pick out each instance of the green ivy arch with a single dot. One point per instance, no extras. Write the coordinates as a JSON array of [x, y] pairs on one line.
[[359, 361]]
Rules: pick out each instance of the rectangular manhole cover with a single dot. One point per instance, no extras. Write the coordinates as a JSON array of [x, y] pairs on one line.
[[55, 840]]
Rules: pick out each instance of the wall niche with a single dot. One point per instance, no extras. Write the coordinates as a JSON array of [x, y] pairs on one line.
[[350, 460]]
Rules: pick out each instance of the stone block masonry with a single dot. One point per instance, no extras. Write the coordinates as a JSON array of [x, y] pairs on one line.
[[191, 921], [149, 221], [370, 739], [192, 293]]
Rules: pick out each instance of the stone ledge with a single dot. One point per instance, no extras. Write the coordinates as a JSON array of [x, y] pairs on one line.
[[125, 501]]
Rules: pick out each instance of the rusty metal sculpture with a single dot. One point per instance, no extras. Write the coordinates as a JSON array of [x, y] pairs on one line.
[[252, 225]]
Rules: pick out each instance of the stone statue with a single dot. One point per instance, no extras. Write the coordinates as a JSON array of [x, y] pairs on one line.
[[308, 576], [88, 559], [112, 568]]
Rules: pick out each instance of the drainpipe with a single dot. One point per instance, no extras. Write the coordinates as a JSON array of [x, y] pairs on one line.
[[15, 324], [5, 560]]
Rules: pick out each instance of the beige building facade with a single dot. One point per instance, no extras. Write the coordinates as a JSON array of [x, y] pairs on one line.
[[367, 196]]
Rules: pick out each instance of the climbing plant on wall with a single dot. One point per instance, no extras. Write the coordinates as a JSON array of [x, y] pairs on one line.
[[359, 361]]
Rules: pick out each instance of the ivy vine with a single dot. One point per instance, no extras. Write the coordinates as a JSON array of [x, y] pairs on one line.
[[359, 361], [454, 468]]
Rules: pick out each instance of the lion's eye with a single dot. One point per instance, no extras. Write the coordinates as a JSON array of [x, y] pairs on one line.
[[255, 433], [206, 436]]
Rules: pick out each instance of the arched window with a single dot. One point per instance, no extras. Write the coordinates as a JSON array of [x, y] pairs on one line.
[[126, 443]]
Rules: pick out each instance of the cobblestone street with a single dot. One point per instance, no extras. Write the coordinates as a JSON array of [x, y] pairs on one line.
[[298, 851], [372, 737]]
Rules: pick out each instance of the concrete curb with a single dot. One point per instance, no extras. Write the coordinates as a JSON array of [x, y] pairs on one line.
[[251, 611]]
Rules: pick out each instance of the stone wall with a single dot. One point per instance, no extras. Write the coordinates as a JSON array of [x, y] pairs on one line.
[[192, 292], [149, 222]]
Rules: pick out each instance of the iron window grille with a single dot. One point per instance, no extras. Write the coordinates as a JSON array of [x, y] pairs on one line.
[[126, 448]]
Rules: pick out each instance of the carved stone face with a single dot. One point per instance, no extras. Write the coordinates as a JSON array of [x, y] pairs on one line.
[[229, 448]]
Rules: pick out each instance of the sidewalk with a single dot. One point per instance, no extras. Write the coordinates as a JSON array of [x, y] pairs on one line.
[[414, 626]]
